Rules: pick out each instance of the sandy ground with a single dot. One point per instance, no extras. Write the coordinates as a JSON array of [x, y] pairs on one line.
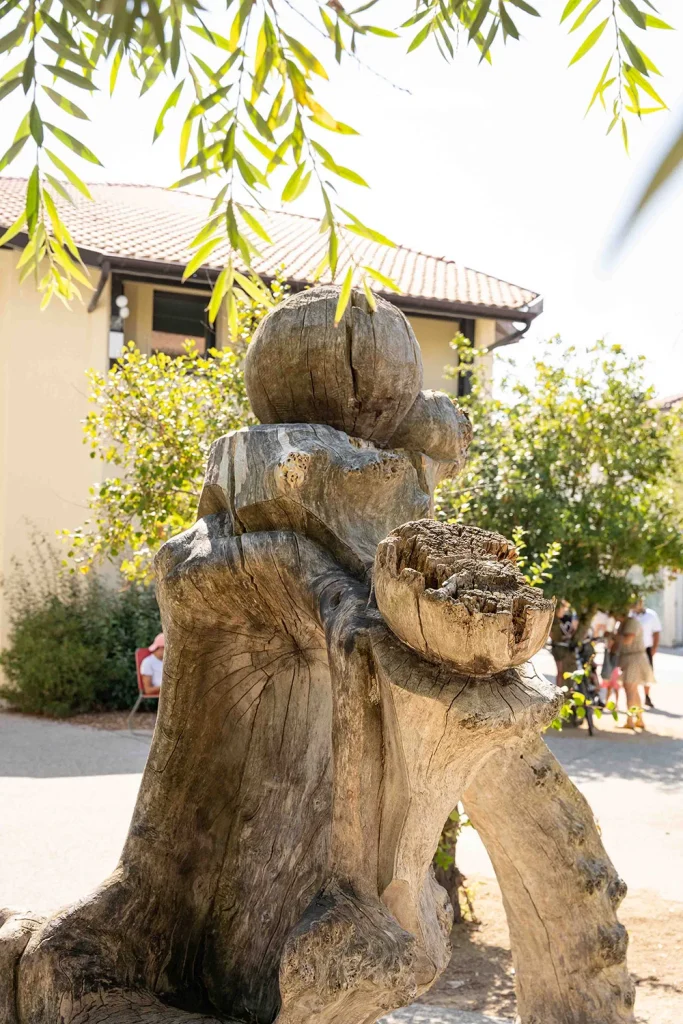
[[481, 977], [67, 793]]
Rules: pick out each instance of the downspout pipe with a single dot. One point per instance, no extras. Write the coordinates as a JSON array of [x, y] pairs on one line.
[[511, 338], [105, 273]]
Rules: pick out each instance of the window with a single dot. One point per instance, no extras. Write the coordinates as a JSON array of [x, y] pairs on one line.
[[465, 376], [179, 317]]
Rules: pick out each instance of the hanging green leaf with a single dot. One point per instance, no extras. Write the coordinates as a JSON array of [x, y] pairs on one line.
[[28, 74], [362, 229], [421, 36], [523, 6], [13, 38], [58, 188], [601, 84], [344, 296], [636, 16], [36, 124], [293, 187], [382, 279], [12, 152], [635, 56], [200, 257], [589, 42], [254, 289], [305, 57], [14, 230], [168, 105], [7, 87], [66, 104], [239, 22], [488, 42], [651, 22], [372, 301], [588, 9], [33, 200], [570, 7], [259, 122], [254, 224], [114, 73], [69, 174], [509, 27], [220, 289], [70, 76], [480, 12], [55, 220], [68, 53], [78, 147]]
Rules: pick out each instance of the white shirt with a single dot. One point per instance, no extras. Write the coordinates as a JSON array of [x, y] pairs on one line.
[[602, 623], [152, 666], [651, 624]]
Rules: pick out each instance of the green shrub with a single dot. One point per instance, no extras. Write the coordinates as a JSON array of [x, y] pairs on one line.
[[72, 639]]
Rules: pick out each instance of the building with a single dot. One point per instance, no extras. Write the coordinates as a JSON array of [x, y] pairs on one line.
[[667, 601], [134, 241]]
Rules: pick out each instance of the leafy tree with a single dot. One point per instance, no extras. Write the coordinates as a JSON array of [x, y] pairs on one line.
[[583, 457], [247, 85], [154, 420]]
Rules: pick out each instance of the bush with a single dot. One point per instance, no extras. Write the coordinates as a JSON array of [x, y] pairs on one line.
[[72, 639]]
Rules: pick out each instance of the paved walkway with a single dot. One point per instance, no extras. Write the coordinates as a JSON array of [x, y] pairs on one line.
[[418, 1014], [67, 792], [634, 783], [66, 797]]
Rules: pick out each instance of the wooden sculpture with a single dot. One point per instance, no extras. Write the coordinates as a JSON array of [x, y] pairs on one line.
[[340, 671]]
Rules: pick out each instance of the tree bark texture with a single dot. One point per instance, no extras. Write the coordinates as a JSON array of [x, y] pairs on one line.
[[339, 672]]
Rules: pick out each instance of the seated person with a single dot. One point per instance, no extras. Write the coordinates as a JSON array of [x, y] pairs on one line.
[[152, 667]]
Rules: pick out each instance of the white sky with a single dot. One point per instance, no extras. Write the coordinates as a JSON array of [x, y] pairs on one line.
[[492, 166]]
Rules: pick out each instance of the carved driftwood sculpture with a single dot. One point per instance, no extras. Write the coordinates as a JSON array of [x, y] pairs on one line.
[[316, 729]]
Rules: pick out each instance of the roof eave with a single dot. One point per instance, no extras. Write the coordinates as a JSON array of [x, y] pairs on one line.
[[419, 305], [456, 310]]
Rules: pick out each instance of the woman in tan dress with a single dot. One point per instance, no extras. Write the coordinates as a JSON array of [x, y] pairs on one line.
[[635, 668]]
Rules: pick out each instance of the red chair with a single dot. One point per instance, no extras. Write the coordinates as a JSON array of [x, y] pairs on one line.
[[140, 655]]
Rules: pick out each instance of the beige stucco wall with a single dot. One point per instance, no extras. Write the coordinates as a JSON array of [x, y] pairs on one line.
[[45, 470], [435, 336]]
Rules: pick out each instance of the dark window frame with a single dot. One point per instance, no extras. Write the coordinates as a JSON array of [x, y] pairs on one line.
[[467, 328], [193, 324]]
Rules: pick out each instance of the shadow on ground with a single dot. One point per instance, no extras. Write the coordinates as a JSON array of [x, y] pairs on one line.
[[620, 755], [33, 748], [477, 978]]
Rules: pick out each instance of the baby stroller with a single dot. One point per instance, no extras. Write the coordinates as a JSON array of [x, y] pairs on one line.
[[588, 685]]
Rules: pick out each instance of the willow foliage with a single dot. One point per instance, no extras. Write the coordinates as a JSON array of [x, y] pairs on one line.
[[248, 87]]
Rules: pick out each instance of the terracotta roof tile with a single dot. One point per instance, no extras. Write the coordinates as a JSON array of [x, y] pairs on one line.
[[152, 224]]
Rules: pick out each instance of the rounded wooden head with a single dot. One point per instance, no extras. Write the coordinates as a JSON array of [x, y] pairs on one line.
[[360, 376]]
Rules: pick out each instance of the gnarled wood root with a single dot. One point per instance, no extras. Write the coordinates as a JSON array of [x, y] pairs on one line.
[[559, 887]]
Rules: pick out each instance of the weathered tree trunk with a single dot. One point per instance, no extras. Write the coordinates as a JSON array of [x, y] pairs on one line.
[[559, 888], [314, 732]]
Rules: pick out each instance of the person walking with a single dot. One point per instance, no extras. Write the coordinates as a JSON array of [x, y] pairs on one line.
[[561, 633], [652, 628], [636, 670], [610, 671]]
